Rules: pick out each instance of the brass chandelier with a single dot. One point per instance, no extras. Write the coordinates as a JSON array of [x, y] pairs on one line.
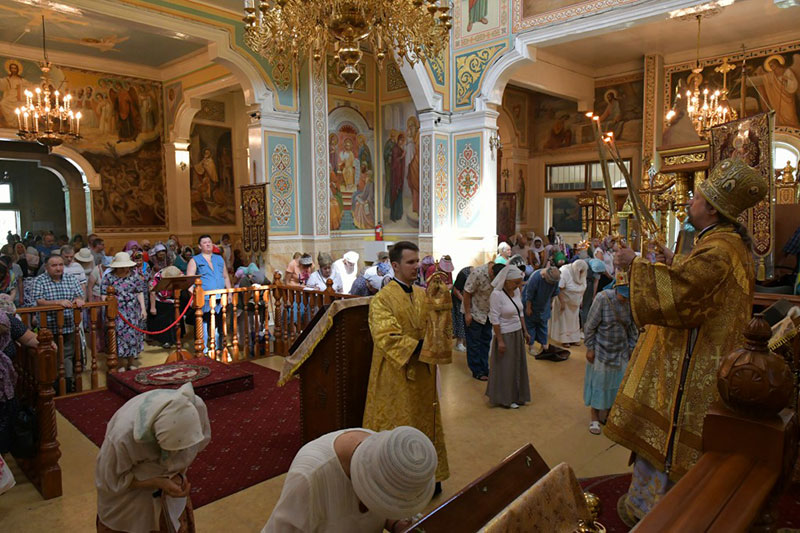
[[707, 106], [288, 30], [47, 117]]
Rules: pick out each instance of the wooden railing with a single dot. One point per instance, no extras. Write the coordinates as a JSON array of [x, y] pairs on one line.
[[290, 307], [37, 372], [37, 317]]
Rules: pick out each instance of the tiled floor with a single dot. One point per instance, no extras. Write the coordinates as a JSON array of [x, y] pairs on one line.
[[477, 436]]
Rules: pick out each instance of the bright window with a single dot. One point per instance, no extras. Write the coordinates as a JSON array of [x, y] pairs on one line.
[[5, 193], [9, 221], [783, 153]]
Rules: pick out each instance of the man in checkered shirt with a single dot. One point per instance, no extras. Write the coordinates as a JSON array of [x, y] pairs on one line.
[[54, 287]]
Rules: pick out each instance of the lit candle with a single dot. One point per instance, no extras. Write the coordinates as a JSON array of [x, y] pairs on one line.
[[39, 96], [249, 4], [56, 95], [19, 118], [78, 123], [25, 116]]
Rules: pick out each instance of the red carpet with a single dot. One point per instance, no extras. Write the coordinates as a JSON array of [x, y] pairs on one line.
[[255, 434], [610, 488]]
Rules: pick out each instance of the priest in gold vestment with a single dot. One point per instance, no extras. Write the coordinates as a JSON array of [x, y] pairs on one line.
[[694, 309], [402, 390]]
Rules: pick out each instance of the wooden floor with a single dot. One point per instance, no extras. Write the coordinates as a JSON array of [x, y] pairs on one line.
[[477, 437]]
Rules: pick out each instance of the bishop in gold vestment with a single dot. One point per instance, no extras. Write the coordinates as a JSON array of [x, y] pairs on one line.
[[402, 390], [694, 311]]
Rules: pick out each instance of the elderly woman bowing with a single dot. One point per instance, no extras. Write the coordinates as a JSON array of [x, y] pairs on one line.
[[508, 370], [141, 468], [565, 324]]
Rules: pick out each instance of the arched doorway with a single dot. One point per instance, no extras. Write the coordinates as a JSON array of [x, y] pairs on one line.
[[45, 192]]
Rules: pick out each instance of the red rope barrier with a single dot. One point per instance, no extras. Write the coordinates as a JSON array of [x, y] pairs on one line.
[[188, 305]]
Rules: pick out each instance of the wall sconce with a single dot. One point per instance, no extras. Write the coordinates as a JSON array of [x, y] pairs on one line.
[[182, 155], [495, 143]]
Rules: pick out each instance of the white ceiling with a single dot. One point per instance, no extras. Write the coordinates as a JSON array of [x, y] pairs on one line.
[[748, 22]]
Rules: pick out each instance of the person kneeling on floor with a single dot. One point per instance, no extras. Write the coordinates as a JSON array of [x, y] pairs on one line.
[[357, 480]]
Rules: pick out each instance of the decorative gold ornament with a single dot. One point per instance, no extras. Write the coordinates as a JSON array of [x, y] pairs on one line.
[[288, 30], [47, 117], [684, 159], [591, 526]]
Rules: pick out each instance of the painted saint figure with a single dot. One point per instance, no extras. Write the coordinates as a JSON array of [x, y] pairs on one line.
[[478, 11], [13, 88], [398, 177], [347, 163], [780, 86]]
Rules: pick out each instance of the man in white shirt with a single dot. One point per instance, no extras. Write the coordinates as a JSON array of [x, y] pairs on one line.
[[347, 268], [71, 266], [357, 480], [318, 280]]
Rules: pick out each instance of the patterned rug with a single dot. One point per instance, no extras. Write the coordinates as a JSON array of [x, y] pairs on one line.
[[610, 488], [255, 434]]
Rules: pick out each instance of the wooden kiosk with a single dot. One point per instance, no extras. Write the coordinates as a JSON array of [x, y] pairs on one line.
[[332, 358]]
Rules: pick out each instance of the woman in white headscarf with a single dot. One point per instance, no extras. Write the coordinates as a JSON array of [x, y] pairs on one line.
[[508, 369], [347, 268], [565, 324], [141, 468]]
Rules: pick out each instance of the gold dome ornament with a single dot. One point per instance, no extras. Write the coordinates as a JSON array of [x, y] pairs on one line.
[[732, 187], [591, 526]]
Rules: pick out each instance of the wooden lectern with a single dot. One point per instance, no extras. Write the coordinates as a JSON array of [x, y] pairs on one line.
[[176, 285], [332, 358]]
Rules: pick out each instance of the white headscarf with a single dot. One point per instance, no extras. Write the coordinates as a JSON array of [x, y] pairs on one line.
[[393, 472], [509, 273], [573, 276], [169, 418]]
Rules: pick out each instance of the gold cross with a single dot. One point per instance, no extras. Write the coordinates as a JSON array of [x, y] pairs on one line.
[[723, 69]]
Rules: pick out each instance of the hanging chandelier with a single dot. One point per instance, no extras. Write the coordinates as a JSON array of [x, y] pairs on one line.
[[46, 116], [288, 30], [706, 106]]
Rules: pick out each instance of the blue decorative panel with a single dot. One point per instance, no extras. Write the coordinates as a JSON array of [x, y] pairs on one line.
[[281, 153], [467, 176]]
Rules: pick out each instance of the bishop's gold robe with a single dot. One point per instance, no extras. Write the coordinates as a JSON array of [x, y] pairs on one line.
[[695, 311], [402, 390]]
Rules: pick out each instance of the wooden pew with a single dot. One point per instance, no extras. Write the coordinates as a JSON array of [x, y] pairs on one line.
[[481, 500]]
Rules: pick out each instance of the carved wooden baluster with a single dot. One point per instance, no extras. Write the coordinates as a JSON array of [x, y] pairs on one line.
[[329, 293], [62, 375], [277, 328], [257, 348], [93, 344], [225, 353], [26, 319], [212, 327], [111, 330], [267, 312], [48, 470], [199, 300], [176, 296], [234, 312], [246, 324], [77, 350]]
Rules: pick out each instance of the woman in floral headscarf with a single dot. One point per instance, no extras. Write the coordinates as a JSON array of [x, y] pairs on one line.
[[424, 265]]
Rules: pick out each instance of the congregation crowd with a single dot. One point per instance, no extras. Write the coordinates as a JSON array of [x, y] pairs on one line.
[[556, 292]]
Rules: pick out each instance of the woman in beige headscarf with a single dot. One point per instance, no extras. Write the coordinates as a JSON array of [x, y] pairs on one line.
[[141, 469], [565, 324]]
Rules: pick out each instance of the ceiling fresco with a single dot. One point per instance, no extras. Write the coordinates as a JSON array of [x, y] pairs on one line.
[[91, 34]]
